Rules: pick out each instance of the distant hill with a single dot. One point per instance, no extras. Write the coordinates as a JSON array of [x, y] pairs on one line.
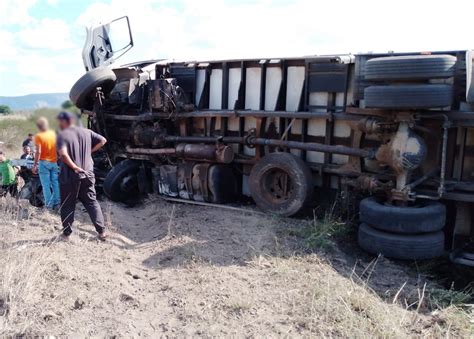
[[34, 101]]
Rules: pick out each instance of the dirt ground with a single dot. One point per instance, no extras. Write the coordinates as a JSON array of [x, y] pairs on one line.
[[181, 270]]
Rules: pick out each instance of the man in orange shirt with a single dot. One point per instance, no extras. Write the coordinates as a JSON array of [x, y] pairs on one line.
[[46, 164]]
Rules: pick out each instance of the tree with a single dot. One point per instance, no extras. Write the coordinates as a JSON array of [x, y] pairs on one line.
[[67, 104], [4, 109]]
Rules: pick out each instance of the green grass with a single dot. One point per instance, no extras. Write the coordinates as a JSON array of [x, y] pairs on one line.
[[442, 298], [319, 233]]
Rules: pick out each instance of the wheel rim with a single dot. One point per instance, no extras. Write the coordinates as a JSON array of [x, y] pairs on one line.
[[277, 185]]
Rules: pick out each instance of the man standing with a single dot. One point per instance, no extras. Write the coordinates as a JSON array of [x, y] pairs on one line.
[[9, 184], [46, 163], [76, 178]]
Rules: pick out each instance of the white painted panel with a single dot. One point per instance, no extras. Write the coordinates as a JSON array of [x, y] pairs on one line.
[[350, 89], [297, 128], [234, 83], [233, 124], [272, 87], [340, 159], [252, 88], [215, 89], [295, 82], [200, 124], [218, 123], [319, 99], [343, 130], [340, 99], [316, 127], [200, 80]]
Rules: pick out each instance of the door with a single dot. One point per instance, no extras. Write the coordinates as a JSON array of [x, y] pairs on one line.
[[106, 43]]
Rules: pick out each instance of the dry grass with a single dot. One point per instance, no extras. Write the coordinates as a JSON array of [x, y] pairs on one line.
[[21, 273], [331, 305], [272, 294]]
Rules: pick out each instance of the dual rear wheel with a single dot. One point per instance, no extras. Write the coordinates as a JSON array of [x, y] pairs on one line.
[[411, 233], [409, 82]]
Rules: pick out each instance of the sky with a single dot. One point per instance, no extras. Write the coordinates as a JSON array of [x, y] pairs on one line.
[[41, 40]]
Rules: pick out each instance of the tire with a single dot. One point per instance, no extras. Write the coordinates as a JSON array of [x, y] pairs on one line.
[[281, 183], [410, 67], [81, 92], [408, 96], [428, 217], [113, 182], [397, 246], [33, 192]]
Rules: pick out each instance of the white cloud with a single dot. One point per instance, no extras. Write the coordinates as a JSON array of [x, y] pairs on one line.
[[46, 52], [15, 12], [8, 49], [50, 34], [224, 29]]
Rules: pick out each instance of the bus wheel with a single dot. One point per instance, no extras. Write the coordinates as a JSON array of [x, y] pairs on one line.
[[281, 183], [121, 183]]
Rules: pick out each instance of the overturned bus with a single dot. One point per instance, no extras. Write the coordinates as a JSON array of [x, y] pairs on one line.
[[396, 127]]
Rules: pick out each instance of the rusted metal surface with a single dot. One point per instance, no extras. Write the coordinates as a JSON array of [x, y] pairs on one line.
[[336, 149], [405, 151], [218, 153], [151, 151]]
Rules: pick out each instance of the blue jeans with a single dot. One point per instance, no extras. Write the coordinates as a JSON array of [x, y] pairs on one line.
[[48, 174]]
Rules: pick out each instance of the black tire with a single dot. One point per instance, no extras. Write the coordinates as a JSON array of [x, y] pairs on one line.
[[81, 92], [113, 182], [397, 246], [33, 192], [426, 217], [408, 96], [410, 67], [281, 183]]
